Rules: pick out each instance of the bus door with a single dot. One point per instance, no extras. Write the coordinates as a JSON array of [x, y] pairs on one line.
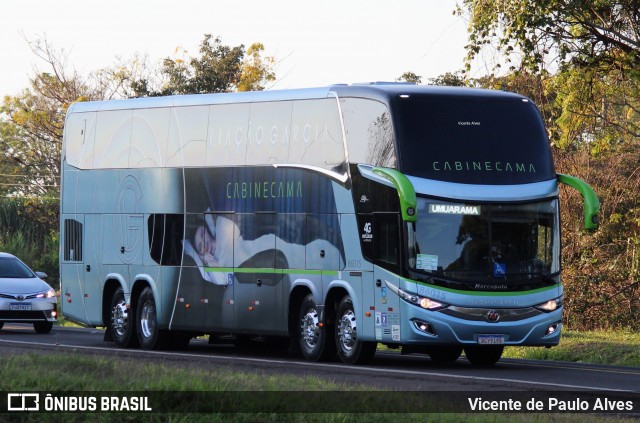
[[92, 267], [386, 256], [257, 278]]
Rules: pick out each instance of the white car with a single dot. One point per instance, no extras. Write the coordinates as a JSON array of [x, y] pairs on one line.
[[24, 296]]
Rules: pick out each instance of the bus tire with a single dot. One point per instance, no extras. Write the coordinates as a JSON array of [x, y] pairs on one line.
[[149, 335], [483, 355], [351, 350], [315, 345], [445, 354], [121, 324]]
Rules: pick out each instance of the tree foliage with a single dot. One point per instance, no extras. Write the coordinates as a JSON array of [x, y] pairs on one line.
[[410, 77], [218, 68], [594, 46], [31, 127]]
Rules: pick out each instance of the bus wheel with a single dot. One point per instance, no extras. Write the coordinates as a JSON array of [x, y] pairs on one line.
[[314, 342], [149, 335], [350, 349], [445, 354], [122, 324], [485, 355]]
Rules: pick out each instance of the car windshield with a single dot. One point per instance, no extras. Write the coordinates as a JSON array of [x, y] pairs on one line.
[[485, 242], [13, 268]]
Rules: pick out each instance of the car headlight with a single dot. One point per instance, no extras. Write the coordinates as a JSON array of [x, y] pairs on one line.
[[47, 294], [551, 305], [415, 299]]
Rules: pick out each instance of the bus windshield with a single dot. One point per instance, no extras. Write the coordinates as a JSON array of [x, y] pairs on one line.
[[495, 244]]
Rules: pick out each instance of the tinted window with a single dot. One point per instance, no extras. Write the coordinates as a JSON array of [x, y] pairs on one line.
[[368, 131], [479, 140], [166, 234], [72, 240]]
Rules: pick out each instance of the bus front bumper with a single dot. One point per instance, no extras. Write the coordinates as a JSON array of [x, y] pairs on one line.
[[466, 326]]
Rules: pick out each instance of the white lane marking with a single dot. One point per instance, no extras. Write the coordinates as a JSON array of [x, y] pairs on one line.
[[324, 365]]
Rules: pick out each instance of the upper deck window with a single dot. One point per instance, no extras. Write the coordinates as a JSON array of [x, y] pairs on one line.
[[473, 139], [369, 132]]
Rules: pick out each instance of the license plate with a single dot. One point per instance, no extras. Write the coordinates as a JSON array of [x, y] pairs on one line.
[[491, 339], [20, 306]]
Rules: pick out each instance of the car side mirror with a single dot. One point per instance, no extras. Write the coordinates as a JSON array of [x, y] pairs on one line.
[[42, 275]]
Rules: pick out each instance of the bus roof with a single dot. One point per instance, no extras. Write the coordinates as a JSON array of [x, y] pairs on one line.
[[377, 91]]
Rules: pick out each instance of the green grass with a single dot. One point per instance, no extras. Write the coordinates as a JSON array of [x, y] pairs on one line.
[[616, 348]]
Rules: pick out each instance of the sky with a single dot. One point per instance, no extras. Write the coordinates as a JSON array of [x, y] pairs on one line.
[[314, 43]]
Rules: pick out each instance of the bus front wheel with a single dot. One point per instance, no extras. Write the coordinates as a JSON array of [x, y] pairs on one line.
[[483, 355], [314, 342], [351, 350]]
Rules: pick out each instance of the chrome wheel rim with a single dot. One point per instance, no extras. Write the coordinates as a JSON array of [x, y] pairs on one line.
[[310, 330], [347, 333], [120, 318], [148, 319]]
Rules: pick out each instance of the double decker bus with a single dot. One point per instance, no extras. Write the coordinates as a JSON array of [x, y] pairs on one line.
[[337, 218]]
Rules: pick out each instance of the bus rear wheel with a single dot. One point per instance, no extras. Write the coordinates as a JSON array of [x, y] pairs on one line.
[[121, 323], [351, 350], [149, 336], [314, 342], [483, 355]]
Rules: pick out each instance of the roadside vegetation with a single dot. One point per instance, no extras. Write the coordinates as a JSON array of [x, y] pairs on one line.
[[614, 348]]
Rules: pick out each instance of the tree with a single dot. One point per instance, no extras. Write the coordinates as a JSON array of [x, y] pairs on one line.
[[450, 79], [256, 71], [593, 44], [219, 68], [410, 77], [32, 121]]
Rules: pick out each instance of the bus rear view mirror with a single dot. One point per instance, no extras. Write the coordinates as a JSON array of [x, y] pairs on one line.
[[591, 201]]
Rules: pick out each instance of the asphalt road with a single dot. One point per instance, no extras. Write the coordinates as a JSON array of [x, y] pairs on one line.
[[388, 370]]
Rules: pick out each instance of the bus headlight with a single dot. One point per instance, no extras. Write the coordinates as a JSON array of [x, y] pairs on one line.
[[551, 305], [420, 301]]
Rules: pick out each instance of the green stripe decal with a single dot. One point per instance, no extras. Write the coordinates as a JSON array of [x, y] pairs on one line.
[[270, 270], [486, 293]]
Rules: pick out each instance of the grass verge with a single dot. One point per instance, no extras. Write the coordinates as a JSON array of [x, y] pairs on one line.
[[86, 375], [615, 348]]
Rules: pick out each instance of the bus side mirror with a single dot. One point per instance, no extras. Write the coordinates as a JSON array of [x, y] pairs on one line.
[[591, 201]]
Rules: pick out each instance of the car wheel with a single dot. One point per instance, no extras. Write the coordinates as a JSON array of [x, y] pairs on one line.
[[43, 327], [121, 323], [149, 335], [351, 349], [314, 342]]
